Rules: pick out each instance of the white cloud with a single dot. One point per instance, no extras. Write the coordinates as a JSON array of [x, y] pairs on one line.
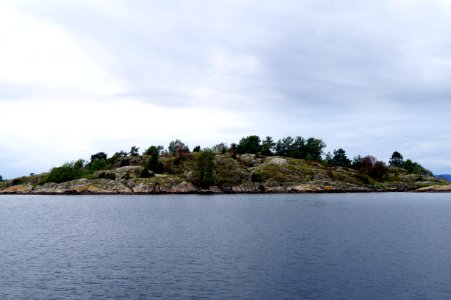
[[38, 54], [78, 77]]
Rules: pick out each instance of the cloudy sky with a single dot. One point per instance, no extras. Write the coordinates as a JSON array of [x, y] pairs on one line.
[[82, 76]]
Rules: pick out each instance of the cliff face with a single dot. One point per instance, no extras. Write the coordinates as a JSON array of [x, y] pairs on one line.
[[244, 174]]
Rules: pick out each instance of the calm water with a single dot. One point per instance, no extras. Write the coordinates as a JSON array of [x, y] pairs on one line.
[[344, 246]]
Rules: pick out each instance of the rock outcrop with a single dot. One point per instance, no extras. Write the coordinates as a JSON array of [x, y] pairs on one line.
[[246, 173]]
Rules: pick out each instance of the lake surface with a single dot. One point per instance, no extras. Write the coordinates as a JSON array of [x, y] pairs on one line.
[[309, 246]]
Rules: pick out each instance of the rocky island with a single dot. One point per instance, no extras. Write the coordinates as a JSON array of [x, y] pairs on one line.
[[252, 166]]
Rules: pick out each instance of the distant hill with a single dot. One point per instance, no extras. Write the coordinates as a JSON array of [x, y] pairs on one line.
[[444, 176]]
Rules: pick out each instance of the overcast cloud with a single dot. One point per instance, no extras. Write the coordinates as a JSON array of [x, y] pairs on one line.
[[79, 77]]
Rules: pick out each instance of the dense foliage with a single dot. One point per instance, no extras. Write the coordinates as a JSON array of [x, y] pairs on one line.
[[205, 169], [310, 149], [397, 160], [154, 164], [66, 172]]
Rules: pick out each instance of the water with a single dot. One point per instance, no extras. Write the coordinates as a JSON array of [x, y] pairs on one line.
[[328, 246]]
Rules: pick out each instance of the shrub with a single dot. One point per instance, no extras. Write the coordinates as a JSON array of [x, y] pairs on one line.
[[366, 179], [145, 173], [205, 169], [258, 177], [96, 165], [124, 162], [379, 170], [16, 181], [107, 175], [66, 172]]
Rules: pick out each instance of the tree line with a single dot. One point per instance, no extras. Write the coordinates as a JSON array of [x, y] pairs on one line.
[[311, 149]]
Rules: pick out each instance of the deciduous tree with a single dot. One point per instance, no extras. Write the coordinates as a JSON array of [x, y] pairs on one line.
[[154, 163], [205, 169], [178, 148]]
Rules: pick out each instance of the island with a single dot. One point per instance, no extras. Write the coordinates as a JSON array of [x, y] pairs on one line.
[[254, 165]]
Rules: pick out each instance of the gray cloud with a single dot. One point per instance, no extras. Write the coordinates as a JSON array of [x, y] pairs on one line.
[[372, 77]]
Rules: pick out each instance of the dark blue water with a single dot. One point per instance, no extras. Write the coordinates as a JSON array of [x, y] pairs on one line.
[[364, 246]]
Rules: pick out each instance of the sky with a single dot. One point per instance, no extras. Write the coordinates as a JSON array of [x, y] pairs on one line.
[[82, 76]]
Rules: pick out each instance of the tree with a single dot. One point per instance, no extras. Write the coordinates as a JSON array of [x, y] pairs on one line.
[[220, 148], [250, 144], [178, 148], [267, 146], [79, 164], [1, 178], [66, 172], [99, 156], [196, 149], [205, 169], [329, 159], [356, 162], [118, 155], [396, 160], [379, 170], [154, 150], [98, 161], [284, 146], [154, 163], [340, 158], [298, 148], [314, 149], [134, 151], [367, 163], [416, 168]]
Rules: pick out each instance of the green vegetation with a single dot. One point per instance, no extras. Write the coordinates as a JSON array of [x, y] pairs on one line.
[[66, 172], [310, 149], [134, 151], [250, 144], [154, 164], [251, 165], [205, 169], [178, 148], [396, 160]]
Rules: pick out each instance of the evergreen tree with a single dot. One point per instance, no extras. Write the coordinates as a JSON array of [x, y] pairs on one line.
[[340, 158], [267, 146], [396, 160], [250, 144], [284, 146], [99, 156], [134, 151]]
